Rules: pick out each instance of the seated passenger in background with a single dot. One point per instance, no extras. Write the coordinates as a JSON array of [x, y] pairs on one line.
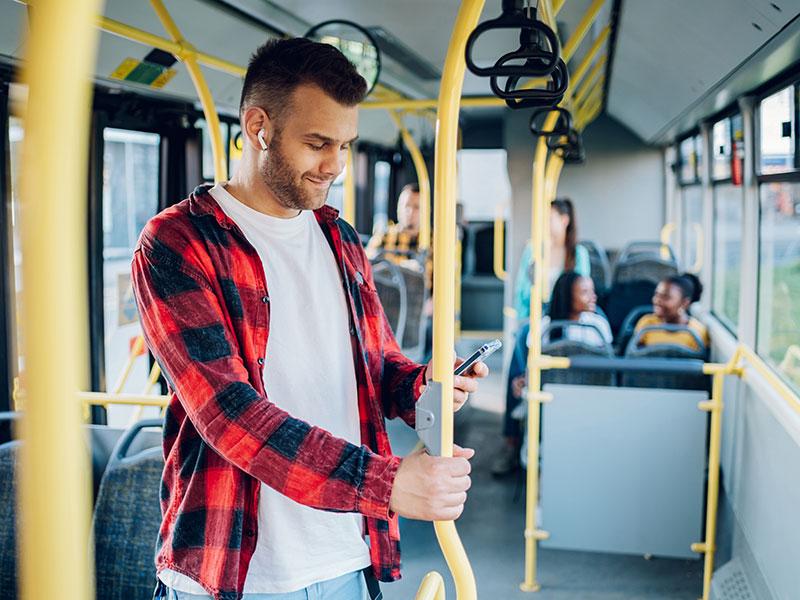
[[402, 237], [671, 302], [574, 299], [565, 255]]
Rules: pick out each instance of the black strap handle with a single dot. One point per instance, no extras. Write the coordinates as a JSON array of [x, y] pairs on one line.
[[562, 127], [538, 46], [549, 96]]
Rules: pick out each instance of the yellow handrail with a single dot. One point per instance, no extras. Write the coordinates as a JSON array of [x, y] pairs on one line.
[[189, 57], [700, 243], [581, 30], [54, 475], [431, 588], [580, 72], [444, 244], [423, 181], [538, 233], [666, 233], [498, 263]]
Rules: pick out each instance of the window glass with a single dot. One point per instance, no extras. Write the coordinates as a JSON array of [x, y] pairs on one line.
[[688, 151], [208, 153], [737, 149], [721, 147], [235, 147], [380, 217], [691, 253], [336, 193], [778, 339], [776, 132], [16, 135], [483, 182], [130, 198], [728, 215]]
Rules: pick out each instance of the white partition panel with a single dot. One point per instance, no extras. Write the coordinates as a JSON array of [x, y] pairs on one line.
[[623, 470]]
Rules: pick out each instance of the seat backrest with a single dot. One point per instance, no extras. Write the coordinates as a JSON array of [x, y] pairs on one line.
[[126, 521], [679, 381], [413, 340], [651, 248], [599, 265], [647, 268], [629, 324], [624, 297], [9, 453], [391, 287], [676, 381], [568, 348]]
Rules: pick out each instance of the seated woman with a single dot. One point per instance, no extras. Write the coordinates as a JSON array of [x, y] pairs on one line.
[[671, 302], [574, 299]]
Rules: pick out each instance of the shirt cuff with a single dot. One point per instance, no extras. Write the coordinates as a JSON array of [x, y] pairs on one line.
[[375, 493]]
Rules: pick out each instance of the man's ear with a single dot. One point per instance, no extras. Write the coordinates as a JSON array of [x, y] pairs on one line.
[[253, 120]]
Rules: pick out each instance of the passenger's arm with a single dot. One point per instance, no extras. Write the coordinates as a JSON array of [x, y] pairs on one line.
[[186, 329], [522, 293]]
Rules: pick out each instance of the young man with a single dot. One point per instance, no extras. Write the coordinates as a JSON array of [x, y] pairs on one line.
[[258, 303], [403, 235]]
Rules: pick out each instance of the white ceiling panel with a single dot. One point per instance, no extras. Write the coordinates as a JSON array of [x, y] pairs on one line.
[[670, 54]]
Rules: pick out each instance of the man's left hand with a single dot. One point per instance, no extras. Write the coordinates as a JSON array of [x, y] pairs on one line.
[[463, 384]]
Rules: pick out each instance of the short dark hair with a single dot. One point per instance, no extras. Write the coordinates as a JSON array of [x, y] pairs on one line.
[[689, 285], [280, 66]]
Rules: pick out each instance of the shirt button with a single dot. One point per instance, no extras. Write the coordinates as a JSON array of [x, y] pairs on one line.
[[261, 361], [265, 299]]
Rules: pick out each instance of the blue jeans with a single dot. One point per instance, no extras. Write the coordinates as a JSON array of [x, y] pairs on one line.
[[346, 587]]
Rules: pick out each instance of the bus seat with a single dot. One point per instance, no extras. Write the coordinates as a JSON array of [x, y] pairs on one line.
[[647, 248], [679, 381], [391, 286], [644, 268], [9, 453], [127, 518], [413, 341], [564, 347], [629, 324], [600, 267], [624, 297]]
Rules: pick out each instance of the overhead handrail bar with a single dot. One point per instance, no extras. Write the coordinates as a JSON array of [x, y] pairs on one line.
[[581, 29], [423, 180], [444, 244], [206, 100], [54, 470], [586, 62]]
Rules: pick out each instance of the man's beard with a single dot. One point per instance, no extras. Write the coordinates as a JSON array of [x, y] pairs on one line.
[[287, 184]]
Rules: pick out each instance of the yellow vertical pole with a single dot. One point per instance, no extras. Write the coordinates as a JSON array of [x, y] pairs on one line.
[[189, 58], [498, 263], [54, 497], [350, 189], [422, 179], [708, 546], [538, 229], [444, 245], [552, 174]]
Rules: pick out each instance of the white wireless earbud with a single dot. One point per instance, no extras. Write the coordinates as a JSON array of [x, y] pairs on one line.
[[261, 141]]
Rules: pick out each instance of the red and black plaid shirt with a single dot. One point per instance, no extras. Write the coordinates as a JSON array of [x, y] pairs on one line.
[[204, 307]]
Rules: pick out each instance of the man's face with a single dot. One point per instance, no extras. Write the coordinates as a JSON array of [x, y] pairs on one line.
[[408, 211], [309, 147]]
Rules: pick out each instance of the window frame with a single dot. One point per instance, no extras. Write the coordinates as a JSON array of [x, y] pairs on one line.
[[6, 288], [697, 137], [792, 174]]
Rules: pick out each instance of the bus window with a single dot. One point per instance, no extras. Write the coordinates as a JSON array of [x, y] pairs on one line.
[[130, 198], [380, 214], [776, 129], [778, 338], [208, 153], [721, 146], [728, 215], [692, 197]]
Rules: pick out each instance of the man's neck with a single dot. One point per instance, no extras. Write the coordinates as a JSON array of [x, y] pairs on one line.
[[253, 192]]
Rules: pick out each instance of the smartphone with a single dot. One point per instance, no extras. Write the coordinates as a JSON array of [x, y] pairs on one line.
[[480, 354]]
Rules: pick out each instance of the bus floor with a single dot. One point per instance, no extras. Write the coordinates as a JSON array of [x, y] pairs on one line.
[[491, 529]]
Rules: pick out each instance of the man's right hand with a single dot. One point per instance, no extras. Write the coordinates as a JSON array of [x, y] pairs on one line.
[[432, 488]]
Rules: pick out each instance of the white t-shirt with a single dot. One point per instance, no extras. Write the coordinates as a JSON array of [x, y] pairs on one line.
[[308, 372]]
